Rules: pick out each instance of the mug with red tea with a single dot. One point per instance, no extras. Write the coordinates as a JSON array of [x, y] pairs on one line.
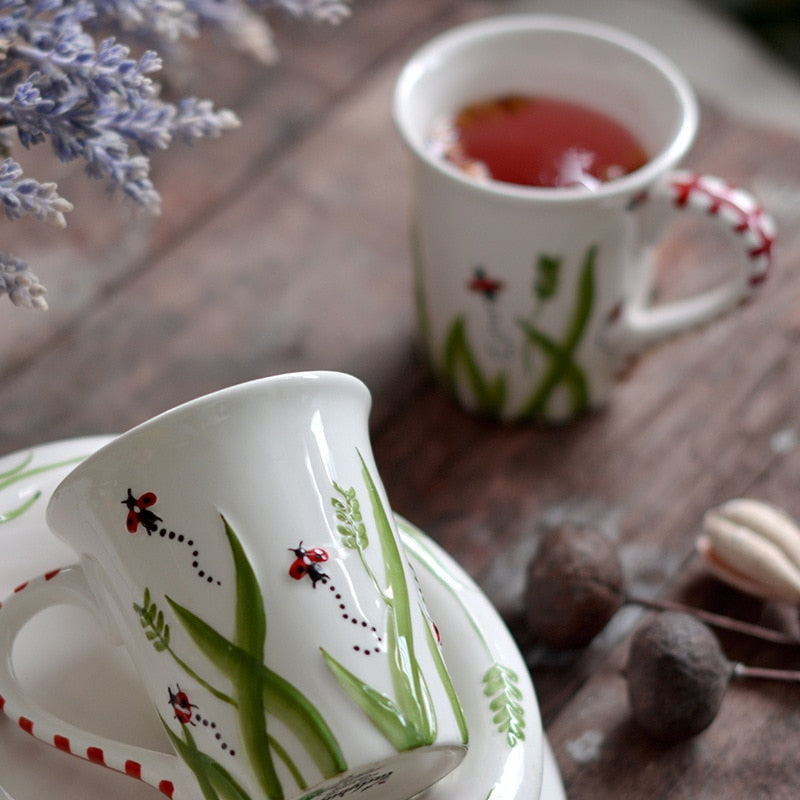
[[538, 141], [544, 157]]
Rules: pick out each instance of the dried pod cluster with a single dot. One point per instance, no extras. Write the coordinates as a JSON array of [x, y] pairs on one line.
[[677, 673]]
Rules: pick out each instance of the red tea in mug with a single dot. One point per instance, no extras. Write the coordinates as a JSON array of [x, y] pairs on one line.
[[539, 141]]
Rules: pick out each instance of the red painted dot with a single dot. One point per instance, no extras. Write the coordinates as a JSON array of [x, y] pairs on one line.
[[166, 787], [134, 769], [21, 587], [48, 576], [62, 743], [95, 755], [26, 724]]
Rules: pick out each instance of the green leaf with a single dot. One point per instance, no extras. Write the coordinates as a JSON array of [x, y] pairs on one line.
[[444, 677], [215, 782], [348, 512], [281, 698], [381, 710], [245, 673], [500, 684], [7, 516], [152, 620], [545, 283], [20, 473], [21, 466], [489, 395], [562, 367], [284, 756], [411, 690]]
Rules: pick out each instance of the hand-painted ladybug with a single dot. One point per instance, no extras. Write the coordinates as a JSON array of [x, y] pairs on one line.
[[179, 701], [139, 512], [306, 563], [484, 285]]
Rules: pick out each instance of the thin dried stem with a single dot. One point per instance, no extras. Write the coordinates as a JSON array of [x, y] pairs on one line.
[[765, 673], [719, 620]]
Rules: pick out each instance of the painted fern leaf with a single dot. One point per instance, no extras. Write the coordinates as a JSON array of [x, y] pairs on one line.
[[500, 685]]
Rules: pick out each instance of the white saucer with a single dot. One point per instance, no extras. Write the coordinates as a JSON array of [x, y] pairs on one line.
[[69, 668]]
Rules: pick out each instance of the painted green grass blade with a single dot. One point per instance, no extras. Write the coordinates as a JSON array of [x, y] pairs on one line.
[[251, 621], [284, 756], [14, 475], [458, 356], [193, 759], [281, 698], [380, 709], [15, 470], [7, 516], [562, 366], [564, 371], [250, 631], [412, 693], [20, 473], [286, 703], [444, 676], [215, 782], [408, 681]]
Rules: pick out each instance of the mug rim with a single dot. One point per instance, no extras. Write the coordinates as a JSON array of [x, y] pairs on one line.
[[307, 378], [437, 49]]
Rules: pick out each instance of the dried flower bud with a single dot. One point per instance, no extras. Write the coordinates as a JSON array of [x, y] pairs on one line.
[[754, 547]]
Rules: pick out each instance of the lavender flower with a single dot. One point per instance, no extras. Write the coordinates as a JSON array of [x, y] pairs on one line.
[[21, 196], [241, 26], [321, 10], [168, 20], [20, 284], [95, 102], [92, 100]]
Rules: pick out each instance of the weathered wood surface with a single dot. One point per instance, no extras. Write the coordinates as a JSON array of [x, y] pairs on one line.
[[283, 247]]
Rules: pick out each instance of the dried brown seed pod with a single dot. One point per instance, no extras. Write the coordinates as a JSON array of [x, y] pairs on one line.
[[574, 586], [677, 676]]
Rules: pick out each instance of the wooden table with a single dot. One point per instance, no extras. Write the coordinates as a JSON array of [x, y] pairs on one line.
[[283, 247]]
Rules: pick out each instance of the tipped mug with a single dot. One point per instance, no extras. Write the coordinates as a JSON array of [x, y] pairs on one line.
[[531, 299], [242, 548]]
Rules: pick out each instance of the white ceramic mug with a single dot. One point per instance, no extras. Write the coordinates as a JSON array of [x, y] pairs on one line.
[[532, 299], [241, 546]]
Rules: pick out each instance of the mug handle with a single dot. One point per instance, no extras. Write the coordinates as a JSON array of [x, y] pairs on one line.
[[69, 585], [636, 325]]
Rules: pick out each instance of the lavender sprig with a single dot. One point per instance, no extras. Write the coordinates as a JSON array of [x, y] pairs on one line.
[[93, 100], [20, 284], [21, 196], [239, 25], [333, 11]]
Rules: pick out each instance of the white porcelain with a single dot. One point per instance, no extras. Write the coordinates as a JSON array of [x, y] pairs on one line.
[[242, 548], [75, 672], [531, 300]]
